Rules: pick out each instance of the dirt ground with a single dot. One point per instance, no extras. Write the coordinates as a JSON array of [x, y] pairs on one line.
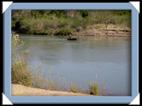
[[20, 90], [100, 30]]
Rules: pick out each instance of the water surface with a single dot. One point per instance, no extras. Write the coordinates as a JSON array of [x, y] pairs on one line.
[[81, 62]]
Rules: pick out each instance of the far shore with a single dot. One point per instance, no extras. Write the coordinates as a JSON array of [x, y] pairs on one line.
[[96, 31], [99, 30]]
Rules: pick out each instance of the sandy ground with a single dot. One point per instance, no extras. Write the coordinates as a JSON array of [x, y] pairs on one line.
[[20, 90], [111, 31]]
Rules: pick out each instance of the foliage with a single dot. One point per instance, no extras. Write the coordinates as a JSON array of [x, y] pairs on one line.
[[93, 88], [49, 22], [63, 31], [20, 73], [39, 81]]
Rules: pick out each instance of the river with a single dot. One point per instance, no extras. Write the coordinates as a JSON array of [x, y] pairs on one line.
[[105, 62]]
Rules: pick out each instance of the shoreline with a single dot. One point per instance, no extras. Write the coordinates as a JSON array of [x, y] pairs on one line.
[[97, 31], [21, 90]]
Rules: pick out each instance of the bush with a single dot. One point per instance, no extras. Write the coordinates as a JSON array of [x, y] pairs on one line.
[[93, 89], [40, 22], [63, 31]]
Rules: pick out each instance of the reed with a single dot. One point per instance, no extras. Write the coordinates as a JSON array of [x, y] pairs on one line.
[[93, 89]]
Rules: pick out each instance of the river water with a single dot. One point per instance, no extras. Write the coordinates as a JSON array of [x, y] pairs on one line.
[[105, 62]]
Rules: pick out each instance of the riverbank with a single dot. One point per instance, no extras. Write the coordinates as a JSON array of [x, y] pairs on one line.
[[64, 23], [20, 90], [99, 30]]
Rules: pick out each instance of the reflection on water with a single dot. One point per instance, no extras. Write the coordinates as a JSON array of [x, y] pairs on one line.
[[80, 62]]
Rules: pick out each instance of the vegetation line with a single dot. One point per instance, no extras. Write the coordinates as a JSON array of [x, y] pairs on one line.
[[75, 22]]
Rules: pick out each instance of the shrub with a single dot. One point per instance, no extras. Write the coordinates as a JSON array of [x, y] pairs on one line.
[[93, 89], [64, 31], [36, 22]]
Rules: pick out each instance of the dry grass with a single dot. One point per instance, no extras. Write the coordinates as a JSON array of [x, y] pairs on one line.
[[73, 88], [93, 89]]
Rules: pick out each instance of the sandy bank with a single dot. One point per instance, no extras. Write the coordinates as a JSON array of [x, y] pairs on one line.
[[20, 90], [100, 30]]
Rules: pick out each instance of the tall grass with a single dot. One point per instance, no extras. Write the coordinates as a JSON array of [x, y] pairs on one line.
[[20, 72], [73, 88], [93, 89], [39, 81]]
